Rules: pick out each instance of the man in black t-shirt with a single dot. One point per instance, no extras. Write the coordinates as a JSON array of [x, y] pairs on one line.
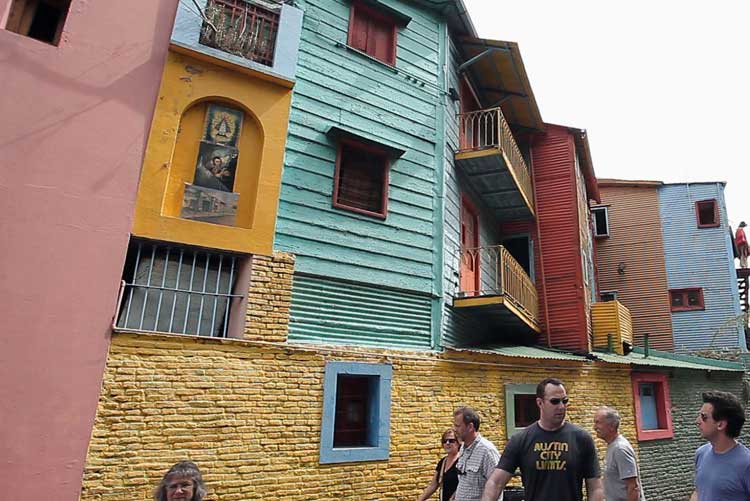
[[555, 457]]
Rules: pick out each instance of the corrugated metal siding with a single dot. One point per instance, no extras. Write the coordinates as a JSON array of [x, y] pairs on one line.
[[557, 216], [460, 325], [611, 318], [587, 250], [636, 240], [327, 311], [338, 87], [700, 257]]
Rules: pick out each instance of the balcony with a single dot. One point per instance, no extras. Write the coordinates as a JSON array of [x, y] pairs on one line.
[[613, 327], [491, 160], [496, 287]]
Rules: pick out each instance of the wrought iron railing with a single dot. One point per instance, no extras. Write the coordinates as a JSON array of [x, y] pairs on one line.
[[485, 129], [241, 28], [497, 273]]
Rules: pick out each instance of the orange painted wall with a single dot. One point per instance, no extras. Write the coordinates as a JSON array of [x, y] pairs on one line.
[[636, 240]]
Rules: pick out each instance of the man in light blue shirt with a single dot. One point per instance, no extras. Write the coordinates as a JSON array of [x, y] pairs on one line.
[[722, 466]]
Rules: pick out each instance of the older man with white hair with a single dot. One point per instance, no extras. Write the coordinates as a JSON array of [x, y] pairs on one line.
[[621, 479]]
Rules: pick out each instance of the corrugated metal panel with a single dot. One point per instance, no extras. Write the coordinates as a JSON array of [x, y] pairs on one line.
[[635, 239], [527, 352], [700, 257], [327, 311], [557, 215], [664, 359], [612, 318]]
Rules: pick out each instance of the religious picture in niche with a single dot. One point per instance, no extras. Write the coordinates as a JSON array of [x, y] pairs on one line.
[[223, 125], [216, 166], [209, 205]]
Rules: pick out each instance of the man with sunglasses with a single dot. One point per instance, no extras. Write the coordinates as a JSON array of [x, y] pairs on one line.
[[554, 456], [722, 466], [477, 457]]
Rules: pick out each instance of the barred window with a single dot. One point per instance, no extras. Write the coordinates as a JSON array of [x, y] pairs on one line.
[[177, 289], [241, 28]]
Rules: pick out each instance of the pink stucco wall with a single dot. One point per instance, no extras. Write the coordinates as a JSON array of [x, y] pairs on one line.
[[72, 135]]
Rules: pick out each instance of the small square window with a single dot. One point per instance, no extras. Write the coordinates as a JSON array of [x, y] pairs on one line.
[[606, 296], [373, 33], [361, 179], [686, 299], [176, 289], [601, 221], [42, 20], [653, 407], [520, 407], [707, 213], [356, 412]]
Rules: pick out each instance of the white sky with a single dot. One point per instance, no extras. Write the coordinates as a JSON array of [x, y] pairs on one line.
[[662, 87]]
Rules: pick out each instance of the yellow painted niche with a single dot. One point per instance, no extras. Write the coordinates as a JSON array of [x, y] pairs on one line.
[[187, 86]]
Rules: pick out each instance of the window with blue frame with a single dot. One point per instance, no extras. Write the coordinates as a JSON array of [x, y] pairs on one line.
[[356, 412]]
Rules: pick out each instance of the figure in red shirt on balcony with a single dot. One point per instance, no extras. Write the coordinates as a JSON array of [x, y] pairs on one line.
[[740, 239]]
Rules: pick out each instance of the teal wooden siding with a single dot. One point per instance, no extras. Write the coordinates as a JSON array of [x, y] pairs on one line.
[[337, 86], [334, 312]]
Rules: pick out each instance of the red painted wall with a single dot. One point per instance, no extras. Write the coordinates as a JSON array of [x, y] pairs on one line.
[[553, 164], [72, 137]]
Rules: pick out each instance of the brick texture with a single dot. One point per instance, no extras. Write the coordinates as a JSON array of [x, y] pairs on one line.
[[667, 466], [269, 297], [250, 415]]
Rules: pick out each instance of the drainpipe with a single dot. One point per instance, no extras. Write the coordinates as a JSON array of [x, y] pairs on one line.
[[645, 346]]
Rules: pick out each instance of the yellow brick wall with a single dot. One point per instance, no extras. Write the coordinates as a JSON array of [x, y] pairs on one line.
[[269, 298], [249, 414]]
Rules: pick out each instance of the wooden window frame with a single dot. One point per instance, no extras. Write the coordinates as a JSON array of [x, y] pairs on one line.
[[22, 14], [717, 217], [684, 292], [360, 7], [663, 406], [380, 415], [606, 220], [386, 165]]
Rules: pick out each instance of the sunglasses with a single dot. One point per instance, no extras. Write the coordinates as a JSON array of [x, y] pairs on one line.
[[557, 401], [449, 441]]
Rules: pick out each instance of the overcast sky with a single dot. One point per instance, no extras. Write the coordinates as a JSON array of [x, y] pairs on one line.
[[662, 87]]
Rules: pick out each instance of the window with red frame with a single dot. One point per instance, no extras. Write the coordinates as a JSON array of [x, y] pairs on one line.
[[372, 32], [707, 213], [361, 179], [686, 299], [653, 407]]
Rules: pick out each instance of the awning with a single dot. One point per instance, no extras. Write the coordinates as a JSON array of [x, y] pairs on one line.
[[392, 150], [498, 75]]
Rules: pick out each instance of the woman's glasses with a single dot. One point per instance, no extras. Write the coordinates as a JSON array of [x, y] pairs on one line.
[[449, 441]]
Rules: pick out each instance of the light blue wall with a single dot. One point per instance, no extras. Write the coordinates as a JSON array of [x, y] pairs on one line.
[[700, 257], [187, 27], [338, 86]]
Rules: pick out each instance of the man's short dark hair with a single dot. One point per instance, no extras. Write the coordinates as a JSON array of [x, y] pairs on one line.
[[543, 384], [469, 416], [726, 407]]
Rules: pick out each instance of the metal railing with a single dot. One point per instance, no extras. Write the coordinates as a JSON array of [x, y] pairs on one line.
[[485, 129], [241, 28], [498, 273]]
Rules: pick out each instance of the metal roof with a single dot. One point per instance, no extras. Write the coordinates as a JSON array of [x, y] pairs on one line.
[[498, 69], [635, 359]]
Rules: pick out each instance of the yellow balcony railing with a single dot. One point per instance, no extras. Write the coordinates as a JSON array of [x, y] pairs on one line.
[[487, 129], [492, 271]]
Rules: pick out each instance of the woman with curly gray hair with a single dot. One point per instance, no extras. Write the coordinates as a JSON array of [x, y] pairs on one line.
[[183, 482]]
